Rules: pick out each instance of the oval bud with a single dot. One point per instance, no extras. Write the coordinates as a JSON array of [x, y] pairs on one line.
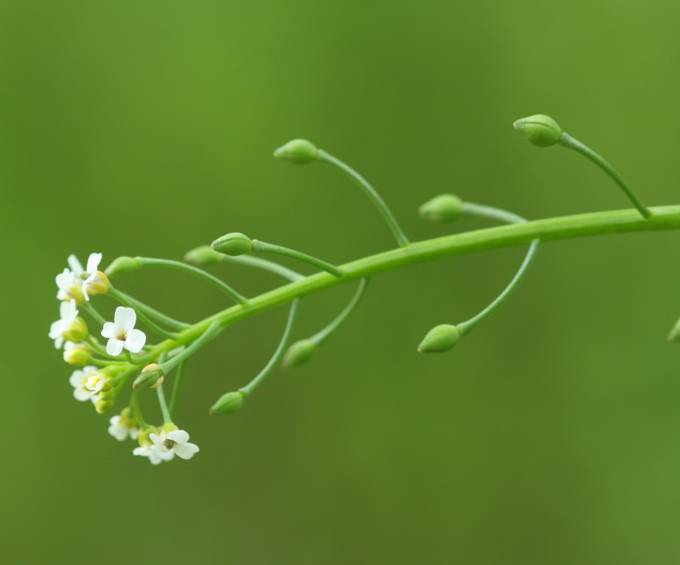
[[444, 208], [439, 339], [233, 244], [124, 265], [298, 151], [77, 331], [102, 405], [541, 130], [99, 284], [228, 403], [149, 376], [674, 336], [299, 353], [204, 255], [78, 356]]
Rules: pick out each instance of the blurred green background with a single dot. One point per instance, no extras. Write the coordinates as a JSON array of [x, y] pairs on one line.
[[550, 436]]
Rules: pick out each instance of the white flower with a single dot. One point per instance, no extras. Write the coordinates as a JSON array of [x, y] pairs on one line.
[[121, 333], [154, 451], [120, 428], [79, 381], [166, 445], [74, 283], [68, 312]]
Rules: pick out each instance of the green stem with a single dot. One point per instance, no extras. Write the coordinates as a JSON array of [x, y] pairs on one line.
[[141, 314], [212, 331], [264, 247], [321, 336], [394, 226], [259, 263], [550, 229], [480, 210], [153, 313], [276, 357], [164, 406], [176, 387], [567, 140], [96, 316], [177, 265]]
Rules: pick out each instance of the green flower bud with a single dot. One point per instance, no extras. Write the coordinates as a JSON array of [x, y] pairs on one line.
[[541, 130], [124, 265], [100, 284], [444, 208], [299, 353], [102, 405], [77, 331], [202, 256], [674, 336], [77, 355], [298, 151], [439, 339], [233, 244], [228, 403], [151, 376]]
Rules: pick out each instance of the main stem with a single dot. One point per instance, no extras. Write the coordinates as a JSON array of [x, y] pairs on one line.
[[565, 227]]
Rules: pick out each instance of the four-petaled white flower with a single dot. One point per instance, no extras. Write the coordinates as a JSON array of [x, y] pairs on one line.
[[120, 429], [75, 281], [79, 381], [166, 445], [155, 451], [68, 312], [122, 334]]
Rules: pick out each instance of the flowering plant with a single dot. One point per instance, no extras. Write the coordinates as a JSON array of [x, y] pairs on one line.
[[130, 361]]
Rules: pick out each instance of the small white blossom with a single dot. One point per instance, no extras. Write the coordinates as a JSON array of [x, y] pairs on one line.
[[68, 312], [155, 451], [166, 445], [122, 334], [120, 429], [76, 281], [79, 381]]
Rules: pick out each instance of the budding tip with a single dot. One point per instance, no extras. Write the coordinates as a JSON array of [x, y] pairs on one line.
[[440, 338], [539, 129], [298, 151]]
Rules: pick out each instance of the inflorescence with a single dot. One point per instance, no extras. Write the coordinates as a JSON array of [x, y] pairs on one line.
[[127, 362]]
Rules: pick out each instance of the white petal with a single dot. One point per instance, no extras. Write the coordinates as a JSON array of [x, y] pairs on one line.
[[178, 436], [75, 265], [93, 262], [64, 279], [76, 378], [56, 329], [114, 347], [109, 330], [58, 342], [81, 394], [186, 450], [135, 341], [68, 310], [125, 318], [143, 451]]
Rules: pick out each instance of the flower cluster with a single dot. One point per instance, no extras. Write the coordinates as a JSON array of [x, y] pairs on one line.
[[102, 371]]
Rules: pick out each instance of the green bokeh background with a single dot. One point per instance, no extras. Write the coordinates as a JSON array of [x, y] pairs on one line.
[[550, 436]]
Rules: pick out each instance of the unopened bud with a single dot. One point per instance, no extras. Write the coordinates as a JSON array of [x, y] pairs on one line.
[[123, 265], [228, 403], [202, 256], [439, 339], [541, 130], [444, 208], [149, 376], [77, 331], [102, 405], [99, 284], [233, 244], [77, 355], [299, 353], [298, 151], [674, 336]]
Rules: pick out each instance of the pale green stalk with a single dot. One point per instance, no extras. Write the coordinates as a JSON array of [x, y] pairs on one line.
[[264, 247], [550, 229]]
